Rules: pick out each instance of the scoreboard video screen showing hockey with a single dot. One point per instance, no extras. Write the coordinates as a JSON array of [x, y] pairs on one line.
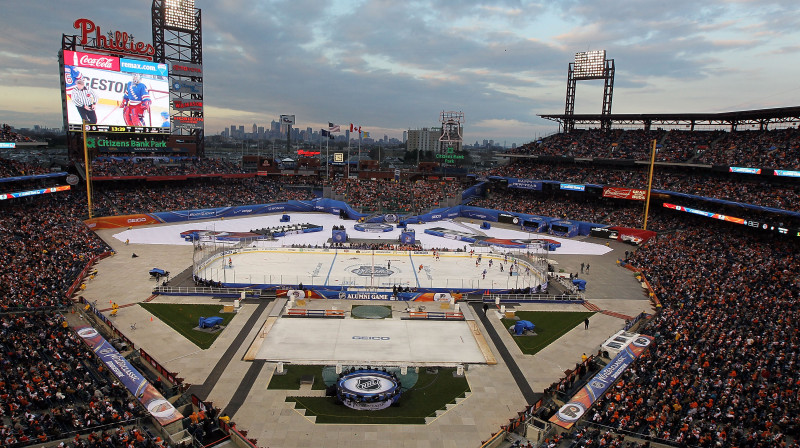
[[112, 94]]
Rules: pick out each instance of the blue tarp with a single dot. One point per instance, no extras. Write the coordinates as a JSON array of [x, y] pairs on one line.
[[209, 322], [580, 283], [522, 326]]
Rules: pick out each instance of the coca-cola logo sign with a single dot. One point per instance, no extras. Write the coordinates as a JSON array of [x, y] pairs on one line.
[[89, 60], [103, 62]]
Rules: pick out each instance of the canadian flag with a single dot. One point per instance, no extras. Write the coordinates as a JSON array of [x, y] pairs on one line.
[[354, 128]]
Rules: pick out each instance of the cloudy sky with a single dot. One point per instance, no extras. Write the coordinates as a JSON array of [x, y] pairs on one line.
[[395, 65]]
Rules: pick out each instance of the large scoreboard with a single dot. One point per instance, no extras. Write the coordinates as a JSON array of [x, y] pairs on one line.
[[117, 95]]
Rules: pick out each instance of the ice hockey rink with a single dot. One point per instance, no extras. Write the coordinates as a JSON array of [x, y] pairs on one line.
[[276, 262], [358, 268]]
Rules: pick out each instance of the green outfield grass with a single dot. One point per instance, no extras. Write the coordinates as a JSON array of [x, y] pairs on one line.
[[550, 325], [183, 319], [433, 391]]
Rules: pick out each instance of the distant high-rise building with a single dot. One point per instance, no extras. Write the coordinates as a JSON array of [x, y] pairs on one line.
[[255, 129], [274, 126], [425, 139], [233, 131], [261, 130], [405, 136]]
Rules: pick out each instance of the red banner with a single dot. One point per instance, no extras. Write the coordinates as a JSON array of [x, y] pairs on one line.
[[115, 222], [79, 59], [633, 194]]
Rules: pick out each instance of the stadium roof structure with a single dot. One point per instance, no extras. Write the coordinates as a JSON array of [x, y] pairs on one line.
[[762, 118]]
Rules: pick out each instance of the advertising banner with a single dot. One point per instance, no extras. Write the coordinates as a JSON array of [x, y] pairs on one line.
[[577, 406], [115, 222], [745, 170], [180, 105], [633, 194], [147, 68], [525, 184], [89, 60], [188, 122], [287, 119], [186, 69], [161, 409], [573, 187], [787, 173], [181, 86], [22, 194]]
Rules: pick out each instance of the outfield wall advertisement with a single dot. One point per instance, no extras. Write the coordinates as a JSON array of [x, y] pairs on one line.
[[155, 403], [577, 406]]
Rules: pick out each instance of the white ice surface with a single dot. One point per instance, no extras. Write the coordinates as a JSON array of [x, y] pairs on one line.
[[170, 233]]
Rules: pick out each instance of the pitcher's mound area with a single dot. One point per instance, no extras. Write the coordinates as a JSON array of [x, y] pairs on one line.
[[372, 342]]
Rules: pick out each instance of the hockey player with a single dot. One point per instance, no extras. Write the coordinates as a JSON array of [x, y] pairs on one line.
[[135, 101]]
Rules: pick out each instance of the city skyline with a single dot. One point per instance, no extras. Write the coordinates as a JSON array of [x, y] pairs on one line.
[[394, 67]]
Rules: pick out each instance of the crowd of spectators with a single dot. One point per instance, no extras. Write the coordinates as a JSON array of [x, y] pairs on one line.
[[7, 134], [612, 212], [723, 367], [160, 166], [744, 188], [398, 197], [128, 198], [13, 168], [51, 383], [44, 249], [778, 148]]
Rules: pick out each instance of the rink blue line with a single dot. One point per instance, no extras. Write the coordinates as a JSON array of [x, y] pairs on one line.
[[413, 269], [331, 268]]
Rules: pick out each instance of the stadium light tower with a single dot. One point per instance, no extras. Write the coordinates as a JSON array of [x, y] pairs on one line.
[[178, 40], [587, 66]]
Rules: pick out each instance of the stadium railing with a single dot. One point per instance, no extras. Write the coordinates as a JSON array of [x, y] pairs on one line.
[[505, 298]]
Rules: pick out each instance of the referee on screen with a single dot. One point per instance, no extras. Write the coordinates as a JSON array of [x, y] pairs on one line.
[[85, 100]]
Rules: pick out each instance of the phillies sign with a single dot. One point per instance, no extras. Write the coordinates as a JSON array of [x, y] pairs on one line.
[[633, 194], [114, 41]]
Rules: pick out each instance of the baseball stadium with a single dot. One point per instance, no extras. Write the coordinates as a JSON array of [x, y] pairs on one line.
[[630, 281]]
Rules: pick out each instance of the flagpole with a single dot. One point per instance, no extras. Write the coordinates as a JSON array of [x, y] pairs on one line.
[[358, 164], [348, 156], [327, 160]]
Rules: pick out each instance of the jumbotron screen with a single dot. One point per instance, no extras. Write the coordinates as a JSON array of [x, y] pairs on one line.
[[112, 94]]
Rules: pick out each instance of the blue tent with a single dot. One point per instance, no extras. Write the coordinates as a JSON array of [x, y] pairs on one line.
[[579, 283], [209, 322], [522, 326]]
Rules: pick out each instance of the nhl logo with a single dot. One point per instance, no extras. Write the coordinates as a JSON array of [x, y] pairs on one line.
[[368, 384]]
